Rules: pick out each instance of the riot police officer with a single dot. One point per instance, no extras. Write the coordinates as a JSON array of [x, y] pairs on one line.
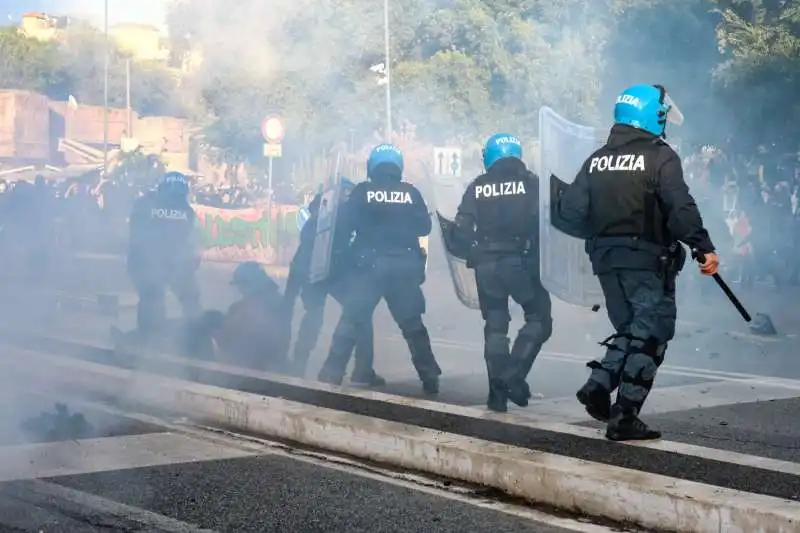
[[498, 216], [162, 252], [314, 295], [633, 207], [388, 216]]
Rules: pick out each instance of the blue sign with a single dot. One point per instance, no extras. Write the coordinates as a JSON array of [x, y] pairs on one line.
[[302, 217]]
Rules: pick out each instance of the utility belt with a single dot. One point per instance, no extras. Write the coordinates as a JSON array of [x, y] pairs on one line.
[[486, 250], [368, 255], [516, 245], [672, 257], [625, 241]]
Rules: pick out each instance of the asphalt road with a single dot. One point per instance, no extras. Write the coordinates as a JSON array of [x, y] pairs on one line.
[[156, 479], [721, 386]]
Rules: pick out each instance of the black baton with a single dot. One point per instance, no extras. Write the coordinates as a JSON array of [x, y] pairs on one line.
[[700, 258]]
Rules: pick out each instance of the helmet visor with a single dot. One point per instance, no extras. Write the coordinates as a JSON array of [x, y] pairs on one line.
[[674, 115]]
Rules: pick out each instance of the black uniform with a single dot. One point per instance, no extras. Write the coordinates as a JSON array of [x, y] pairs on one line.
[[161, 254], [314, 296], [632, 205], [31, 224], [388, 217], [499, 215]]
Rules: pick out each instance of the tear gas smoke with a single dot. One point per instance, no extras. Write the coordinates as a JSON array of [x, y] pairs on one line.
[[461, 72]]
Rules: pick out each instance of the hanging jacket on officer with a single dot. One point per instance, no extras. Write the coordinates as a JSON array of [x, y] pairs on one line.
[[386, 214], [161, 235], [640, 204], [506, 202]]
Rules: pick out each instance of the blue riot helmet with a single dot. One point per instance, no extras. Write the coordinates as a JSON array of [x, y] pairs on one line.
[[385, 154], [173, 184], [648, 108], [500, 146]]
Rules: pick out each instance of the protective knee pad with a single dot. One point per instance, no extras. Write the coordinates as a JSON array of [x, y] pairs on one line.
[[412, 327], [346, 330], [312, 320], [659, 353], [618, 342], [537, 329], [497, 321], [642, 362], [496, 344]]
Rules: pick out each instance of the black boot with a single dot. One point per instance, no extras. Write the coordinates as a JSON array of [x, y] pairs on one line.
[[335, 366], [367, 379], [523, 354], [419, 344], [430, 385], [596, 400], [625, 425], [330, 376], [498, 397], [496, 363]]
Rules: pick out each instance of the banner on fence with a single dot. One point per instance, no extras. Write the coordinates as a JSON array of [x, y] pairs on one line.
[[251, 234]]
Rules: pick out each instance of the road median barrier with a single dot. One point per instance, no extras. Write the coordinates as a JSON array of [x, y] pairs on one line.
[[620, 494], [749, 473]]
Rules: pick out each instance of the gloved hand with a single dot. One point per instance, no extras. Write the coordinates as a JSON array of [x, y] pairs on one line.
[[709, 263]]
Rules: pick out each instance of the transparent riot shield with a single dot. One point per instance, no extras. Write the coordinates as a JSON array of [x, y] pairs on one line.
[[565, 269], [447, 192]]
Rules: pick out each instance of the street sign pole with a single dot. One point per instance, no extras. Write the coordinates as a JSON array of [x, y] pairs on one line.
[[269, 182], [273, 132]]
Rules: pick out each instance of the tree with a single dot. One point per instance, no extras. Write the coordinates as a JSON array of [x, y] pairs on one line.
[[466, 68], [29, 64], [153, 86], [672, 43], [136, 169], [459, 70], [760, 75]]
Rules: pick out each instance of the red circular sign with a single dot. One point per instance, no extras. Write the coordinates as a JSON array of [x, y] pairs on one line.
[[272, 129]]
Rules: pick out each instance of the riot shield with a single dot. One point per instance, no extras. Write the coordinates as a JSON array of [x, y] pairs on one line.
[[423, 243], [326, 226], [565, 269], [463, 278], [447, 192]]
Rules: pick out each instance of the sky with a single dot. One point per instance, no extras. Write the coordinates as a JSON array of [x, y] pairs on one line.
[[147, 11]]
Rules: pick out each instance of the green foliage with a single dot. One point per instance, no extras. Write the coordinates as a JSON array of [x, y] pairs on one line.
[[761, 68], [28, 64], [461, 69], [137, 168], [73, 66]]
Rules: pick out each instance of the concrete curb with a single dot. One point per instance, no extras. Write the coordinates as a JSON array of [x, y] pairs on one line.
[[652, 501]]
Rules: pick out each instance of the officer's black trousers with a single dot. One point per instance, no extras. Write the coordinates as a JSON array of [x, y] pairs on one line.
[[397, 278], [314, 296], [152, 286], [641, 307], [515, 277]]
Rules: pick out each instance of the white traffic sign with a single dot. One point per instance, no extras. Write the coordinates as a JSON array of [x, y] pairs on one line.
[[273, 150], [272, 129], [447, 161]]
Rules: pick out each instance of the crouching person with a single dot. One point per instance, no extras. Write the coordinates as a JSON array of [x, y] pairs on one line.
[[253, 333]]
